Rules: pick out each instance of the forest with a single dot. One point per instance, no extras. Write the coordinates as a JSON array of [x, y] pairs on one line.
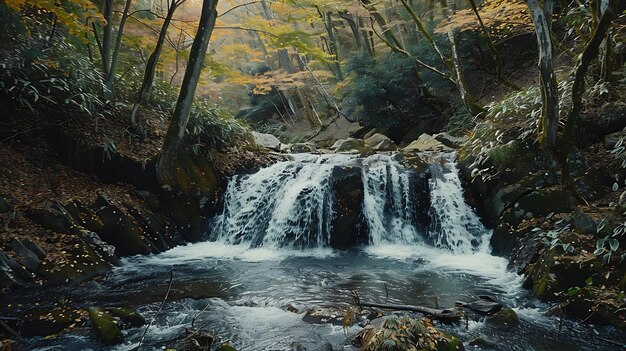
[[243, 175]]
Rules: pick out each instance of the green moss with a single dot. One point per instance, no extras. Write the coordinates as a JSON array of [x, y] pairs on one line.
[[105, 325], [226, 347], [127, 315]]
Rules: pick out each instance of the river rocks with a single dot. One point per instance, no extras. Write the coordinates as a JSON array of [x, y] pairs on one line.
[[106, 326], [26, 257], [318, 315], [226, 347], [45, 323], [484, 305], [268, 141], [300, 148], [127, 315], [349, 145], [449, 140], [407, 334], [104, 250], [504, 319], [425, 143], [379, 142], [13, 274], [52, 215], [121, 230], [348, 225]]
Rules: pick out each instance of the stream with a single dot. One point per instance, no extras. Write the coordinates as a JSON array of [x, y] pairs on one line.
[[270, 249]]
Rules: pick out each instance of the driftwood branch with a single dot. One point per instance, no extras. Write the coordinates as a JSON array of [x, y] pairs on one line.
[[444, 315], [167, 294]]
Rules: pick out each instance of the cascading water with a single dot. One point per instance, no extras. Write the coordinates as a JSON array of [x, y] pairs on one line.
[[454, 225], [292, 204]]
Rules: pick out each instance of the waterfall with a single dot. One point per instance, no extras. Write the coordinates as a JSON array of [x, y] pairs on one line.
[[294, 204], [454, 224]]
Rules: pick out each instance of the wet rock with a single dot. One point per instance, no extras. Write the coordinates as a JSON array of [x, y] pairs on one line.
[[484, 304], [106, 326], [504, 319], [44, 323], [348, 225], [199, 340], [226, 347], [52, 215], [425, 143], [153, 225], [544, 202], [291, 308], [121, 230], [27, 258], [380, 142], [84, 216], [79, 262], [36, 249], [14, 273], [268, 141], [348, 144], [300, 148], [449, 140], [583, 223], [106, 251], [502, 240], [319, 315], [482, 342], [128, 315]]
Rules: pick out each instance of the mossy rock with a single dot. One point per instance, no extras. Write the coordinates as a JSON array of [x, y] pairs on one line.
[[226, 347], [452, 343], [504, 319], [543, 202], [122, 230], [106, 326], [81, 262], [51, 322], [127, 315]]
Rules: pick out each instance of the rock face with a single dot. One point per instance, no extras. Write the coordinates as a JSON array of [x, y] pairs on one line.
[[379, 142], [349, 144], [268, 141], [348, 225], [449, 140], [425, 143]]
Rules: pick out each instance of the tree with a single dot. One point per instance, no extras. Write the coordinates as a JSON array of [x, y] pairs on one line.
[[148, 78], [76, 15], [541, 14], [166, 165], [109, 53]]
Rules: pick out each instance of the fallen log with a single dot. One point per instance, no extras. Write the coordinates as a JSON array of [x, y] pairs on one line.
[[445, 315]]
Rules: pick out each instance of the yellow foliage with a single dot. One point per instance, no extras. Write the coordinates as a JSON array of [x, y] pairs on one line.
[[499, 16], [76, 15]]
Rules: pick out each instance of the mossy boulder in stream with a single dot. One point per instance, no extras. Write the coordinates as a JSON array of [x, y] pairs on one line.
[[504, 319], [106, 326], [226, 347], [127, 315]]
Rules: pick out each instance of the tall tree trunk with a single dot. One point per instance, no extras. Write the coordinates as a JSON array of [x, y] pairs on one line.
[[541, 13], [354, 27], [107, 42], [166, 165], [110, 78], [143, 95], [368, 38], [591, 51], [332, 43], [457, 69]]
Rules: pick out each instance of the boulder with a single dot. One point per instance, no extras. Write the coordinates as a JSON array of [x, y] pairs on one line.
[[540, 203], [379, 142], [128, 315], [226, 347], [300, 148], [349, 144], [425, 143], [13, 273], [121, 230], [36, 249], [348, 226], [106, 326], [53, 216], [449, 140], [484, 305], [106, 251], [27, 258], [268, 141], [612, 139], [50, 322], [504, 319], [285, 148], [84, 216]]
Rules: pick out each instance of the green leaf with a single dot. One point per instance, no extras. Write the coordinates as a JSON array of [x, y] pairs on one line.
[[589, 281], [614, 244], [573, 291]]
